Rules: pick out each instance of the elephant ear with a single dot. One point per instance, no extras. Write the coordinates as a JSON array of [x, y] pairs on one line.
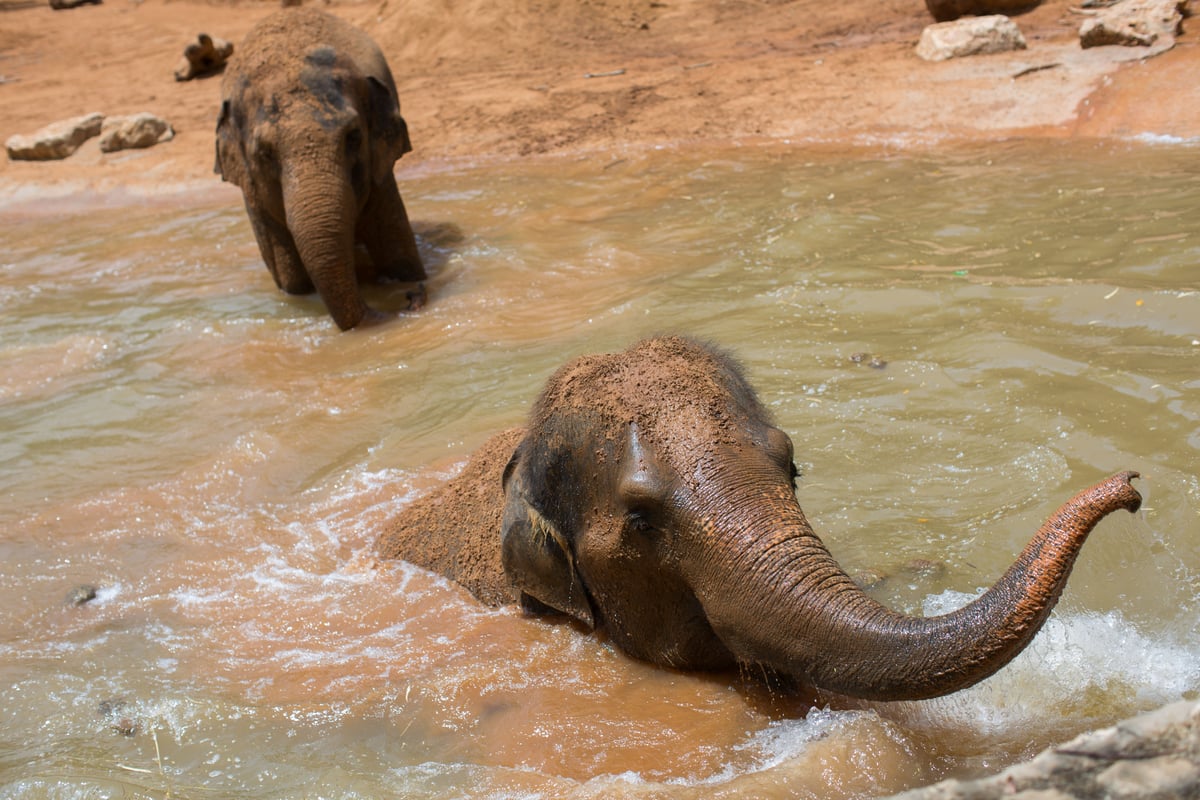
[[230, 163], [389, 139], [537, 558]]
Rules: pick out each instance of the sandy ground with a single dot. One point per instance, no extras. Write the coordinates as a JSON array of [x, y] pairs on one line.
[[516, 78]]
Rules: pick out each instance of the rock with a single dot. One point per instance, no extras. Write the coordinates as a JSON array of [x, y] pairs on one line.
[[116, 714], [870, 360], [870, 578], [1134, 23], [58, 5], [1155, 755], [946, 10], [205, 56], [136, 130], [1165, 776], [57, 140], [84, 593], [969, 37]]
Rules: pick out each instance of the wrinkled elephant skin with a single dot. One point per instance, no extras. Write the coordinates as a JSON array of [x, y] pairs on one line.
[[310, 129], [651, 496]]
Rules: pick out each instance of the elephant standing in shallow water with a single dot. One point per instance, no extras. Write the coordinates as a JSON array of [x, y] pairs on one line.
[[309, 129], [651, 496]]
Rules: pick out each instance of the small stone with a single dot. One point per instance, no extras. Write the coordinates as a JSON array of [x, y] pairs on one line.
[[84, 593], [870, 578], [115, 713], [925, 568], [873, 361], [970, 36], [56, 140], [134, 131]]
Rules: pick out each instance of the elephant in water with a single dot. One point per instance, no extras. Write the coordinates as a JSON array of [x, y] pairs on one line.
[[651, 496], [309, 129]]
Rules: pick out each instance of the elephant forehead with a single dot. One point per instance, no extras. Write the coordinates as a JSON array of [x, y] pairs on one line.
[[642, 391], [326, 96], [685, 398], [322, 56], [282, 46]]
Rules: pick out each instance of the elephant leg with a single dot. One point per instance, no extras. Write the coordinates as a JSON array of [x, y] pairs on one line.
[[384, 228], [279, 252]]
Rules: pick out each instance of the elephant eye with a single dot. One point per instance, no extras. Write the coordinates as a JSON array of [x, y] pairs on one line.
[[264, 152], [795, 473], [353, 142], [637, 520]]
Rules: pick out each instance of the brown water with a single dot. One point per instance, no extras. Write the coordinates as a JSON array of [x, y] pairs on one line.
[[217, 459]]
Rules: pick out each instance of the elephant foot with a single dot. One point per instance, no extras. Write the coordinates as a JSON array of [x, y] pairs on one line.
[[373, 318], [417, 298]]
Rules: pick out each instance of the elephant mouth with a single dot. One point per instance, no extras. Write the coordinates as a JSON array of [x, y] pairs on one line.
[[679, 635]]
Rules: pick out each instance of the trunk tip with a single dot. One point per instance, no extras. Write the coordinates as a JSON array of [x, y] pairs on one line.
[[1121, 485]]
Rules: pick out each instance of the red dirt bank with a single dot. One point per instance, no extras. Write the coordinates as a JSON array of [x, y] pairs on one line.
[[476, 80]]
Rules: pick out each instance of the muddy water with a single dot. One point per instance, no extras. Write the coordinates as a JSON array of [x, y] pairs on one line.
[[217, 460]]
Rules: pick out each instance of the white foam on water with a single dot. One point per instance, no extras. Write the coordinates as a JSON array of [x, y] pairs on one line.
[[780, 742], [1081, 666], [1163, 139]]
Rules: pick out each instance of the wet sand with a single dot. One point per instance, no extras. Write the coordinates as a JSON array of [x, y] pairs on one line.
[[480, 80]]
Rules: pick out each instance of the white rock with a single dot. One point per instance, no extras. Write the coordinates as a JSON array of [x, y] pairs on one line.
[[56, 140], [970, 36], [135, 130], [1134, 23]]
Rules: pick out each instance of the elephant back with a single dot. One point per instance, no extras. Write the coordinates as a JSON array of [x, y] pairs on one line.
[[455, 529]]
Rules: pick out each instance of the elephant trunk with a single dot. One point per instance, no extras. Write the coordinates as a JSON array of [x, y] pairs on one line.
[[321, 209], [785, 603]]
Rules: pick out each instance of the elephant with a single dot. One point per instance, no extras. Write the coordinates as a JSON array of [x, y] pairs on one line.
[[947, 10], [309, 129], [651, 496]]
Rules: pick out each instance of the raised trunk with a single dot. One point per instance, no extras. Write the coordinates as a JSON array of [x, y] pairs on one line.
[[784, 602], [321, 212]]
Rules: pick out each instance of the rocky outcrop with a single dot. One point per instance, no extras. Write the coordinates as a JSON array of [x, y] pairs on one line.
[[61, 139], [1134, 23], [134, 131], [55, 141], [1156, 755], [968, 37], [946, 10], [59, 5], [205, 56]]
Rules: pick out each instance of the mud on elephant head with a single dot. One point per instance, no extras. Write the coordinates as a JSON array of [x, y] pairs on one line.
[[652, 496], [309, 129]]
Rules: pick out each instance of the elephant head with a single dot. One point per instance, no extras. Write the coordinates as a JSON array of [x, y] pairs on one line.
[[309, 129], [653, 497]]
